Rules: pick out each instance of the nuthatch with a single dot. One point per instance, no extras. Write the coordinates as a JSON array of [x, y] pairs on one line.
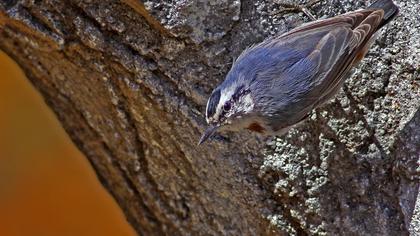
[[276, 83]]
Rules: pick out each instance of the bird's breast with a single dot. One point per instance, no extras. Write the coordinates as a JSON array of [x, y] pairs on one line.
[[256, 128]]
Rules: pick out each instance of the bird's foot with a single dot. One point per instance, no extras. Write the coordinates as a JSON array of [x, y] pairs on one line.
[[292, 7]]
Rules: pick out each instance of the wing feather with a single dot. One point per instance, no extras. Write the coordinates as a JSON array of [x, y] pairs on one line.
[[360, 37], [329, 48]]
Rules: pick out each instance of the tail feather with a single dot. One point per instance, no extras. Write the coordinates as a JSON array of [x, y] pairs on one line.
[[390, 10]]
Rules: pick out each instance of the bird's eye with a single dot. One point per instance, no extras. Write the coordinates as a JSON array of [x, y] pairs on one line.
[[227, 106]]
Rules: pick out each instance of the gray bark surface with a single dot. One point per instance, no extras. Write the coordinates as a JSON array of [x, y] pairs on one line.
[[129, 82]]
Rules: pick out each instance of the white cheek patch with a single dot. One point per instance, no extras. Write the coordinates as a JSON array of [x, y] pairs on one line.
[[244, 105], [248, 103]]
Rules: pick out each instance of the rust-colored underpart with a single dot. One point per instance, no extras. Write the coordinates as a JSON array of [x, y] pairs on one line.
[[256, 128]]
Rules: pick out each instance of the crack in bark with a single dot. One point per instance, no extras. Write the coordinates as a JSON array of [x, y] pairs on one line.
[[152, 188], [166, 84], [139, 8], [360, 116]]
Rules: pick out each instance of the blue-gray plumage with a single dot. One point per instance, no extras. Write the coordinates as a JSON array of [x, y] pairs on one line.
[[275, 84]]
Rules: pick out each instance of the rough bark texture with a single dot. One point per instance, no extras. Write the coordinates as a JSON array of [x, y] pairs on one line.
[[129, 82]]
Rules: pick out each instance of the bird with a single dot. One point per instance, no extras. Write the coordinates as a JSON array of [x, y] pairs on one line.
[[275, 84]]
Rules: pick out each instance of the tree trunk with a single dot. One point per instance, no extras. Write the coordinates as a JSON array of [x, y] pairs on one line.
[[129, 82]]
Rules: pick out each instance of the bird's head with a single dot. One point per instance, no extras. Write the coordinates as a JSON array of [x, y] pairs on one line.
[[228, 108], [233, 104]]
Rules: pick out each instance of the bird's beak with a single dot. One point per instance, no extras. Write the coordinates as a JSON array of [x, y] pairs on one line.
[[210, 131]]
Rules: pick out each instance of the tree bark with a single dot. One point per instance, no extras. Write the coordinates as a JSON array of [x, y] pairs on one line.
[[129, 81]]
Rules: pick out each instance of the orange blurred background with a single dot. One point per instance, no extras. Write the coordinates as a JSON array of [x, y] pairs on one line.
[[47, 187]]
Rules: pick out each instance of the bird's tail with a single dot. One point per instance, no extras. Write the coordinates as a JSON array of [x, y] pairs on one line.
[[390, 10]]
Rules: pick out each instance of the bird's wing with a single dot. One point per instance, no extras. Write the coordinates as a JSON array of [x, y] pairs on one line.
[[354, 41], [327, 48]]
